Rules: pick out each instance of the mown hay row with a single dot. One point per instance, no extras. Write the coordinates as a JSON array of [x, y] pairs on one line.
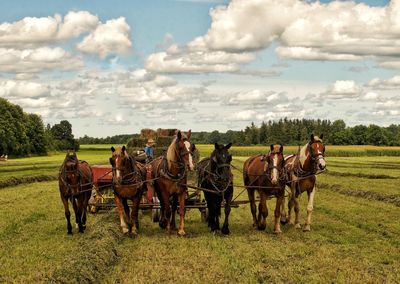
[[367, 194], [360, 175], [98, 253], [16, 181]]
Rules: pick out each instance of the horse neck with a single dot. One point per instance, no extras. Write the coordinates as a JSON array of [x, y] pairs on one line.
[[172, 159], [305, 158]]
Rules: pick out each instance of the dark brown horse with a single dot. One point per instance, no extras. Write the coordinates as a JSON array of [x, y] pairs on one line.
[[265, 173], [128, 184], [301, 169], [170, 172], [215, 175], [75, 181]]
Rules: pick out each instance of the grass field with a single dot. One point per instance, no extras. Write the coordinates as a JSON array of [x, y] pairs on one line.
[[354, 237]]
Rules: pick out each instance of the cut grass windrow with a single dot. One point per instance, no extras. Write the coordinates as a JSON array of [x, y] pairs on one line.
[[26, 180], [359, 175], [98, 252], [367, 194]]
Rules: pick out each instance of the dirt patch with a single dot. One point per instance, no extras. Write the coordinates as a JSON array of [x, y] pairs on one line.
[[367, 194], [16, 181], [98, 254]]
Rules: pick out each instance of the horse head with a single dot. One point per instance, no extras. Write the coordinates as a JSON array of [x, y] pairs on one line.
[[317, 151], [122, 164], [276, 163], [184, 149], [221, 162], [70, 171]]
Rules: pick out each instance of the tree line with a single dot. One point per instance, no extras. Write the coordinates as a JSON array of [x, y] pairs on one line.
[[286, 132], [24, 134]]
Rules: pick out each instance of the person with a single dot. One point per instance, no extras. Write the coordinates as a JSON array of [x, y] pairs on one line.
[[148, 149]]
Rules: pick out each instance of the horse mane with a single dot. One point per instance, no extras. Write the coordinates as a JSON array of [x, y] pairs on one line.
[[171, 153]]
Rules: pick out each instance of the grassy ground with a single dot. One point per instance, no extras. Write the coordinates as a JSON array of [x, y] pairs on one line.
[[353, 238]]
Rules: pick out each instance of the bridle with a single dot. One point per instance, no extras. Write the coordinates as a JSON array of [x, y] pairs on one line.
[[128, 178], [64, 174], [315, 158], [280, 168]]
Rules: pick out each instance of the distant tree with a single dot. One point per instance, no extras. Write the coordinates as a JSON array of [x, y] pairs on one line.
[[214, 137]]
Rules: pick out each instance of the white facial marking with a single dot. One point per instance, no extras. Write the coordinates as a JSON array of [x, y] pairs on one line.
[[118, 172], [191, 165], [275, 170]]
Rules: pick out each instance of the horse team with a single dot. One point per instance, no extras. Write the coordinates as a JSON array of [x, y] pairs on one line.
[[268, 174]]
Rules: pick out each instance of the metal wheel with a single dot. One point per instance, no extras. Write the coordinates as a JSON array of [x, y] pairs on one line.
[[155, 213]]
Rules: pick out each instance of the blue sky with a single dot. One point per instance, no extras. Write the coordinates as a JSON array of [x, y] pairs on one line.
[[112, 67]]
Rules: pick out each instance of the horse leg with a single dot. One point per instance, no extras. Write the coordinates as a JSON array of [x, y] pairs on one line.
[[296, 211], [67, 214], [310, 207], [85, 206], [284, 219], [75, 206], [173, 213], [135, 215], [277, 225], [121, 214], [263, 212], [253, 207], [182, 197], [225, 227], [291, 204], [167, 212]]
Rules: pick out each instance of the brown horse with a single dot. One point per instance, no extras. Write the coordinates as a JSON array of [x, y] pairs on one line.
[[128, 183], [171, 177], [75, 181], [301, 169], [266, 175]]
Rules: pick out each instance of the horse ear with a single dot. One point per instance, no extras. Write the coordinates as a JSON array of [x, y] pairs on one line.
[[322, 136], [193, 147], [272, 147], [112, 149], [216, 146], [228, 146], [312, 137], [123, 149], [189, 133], [281, 149], [179, 135]]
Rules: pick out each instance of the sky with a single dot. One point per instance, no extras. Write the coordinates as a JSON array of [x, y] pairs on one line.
[[115, 67]]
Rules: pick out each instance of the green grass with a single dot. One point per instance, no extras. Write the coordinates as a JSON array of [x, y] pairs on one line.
[[353, 239]]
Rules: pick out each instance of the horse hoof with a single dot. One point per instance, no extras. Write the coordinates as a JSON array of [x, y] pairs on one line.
[[261, 227], [181, 233], [125, 231], [297, 226], [284, 221], [225, 231], [81, 231], [84, 227], [76, 226], [277, 232], [69, 233], [307, 228]]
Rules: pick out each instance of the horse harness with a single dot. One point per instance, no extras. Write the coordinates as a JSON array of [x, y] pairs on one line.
[[63, 176]]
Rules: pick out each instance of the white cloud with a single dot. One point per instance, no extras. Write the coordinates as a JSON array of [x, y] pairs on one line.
[[37, 60], [32, 31], [256, 98], [339, 30], [23, 89], [113, 37], [388, 84], [188, 61], [344, 89]]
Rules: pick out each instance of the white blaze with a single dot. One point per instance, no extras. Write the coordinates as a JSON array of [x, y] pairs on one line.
[[191, 165], [117, 171], [275, 170]]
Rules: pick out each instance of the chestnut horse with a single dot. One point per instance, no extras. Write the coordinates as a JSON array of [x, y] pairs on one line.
[[171, 177], [75, 182], [301, 169], [265, 173], [128, 183], [214, 174]]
